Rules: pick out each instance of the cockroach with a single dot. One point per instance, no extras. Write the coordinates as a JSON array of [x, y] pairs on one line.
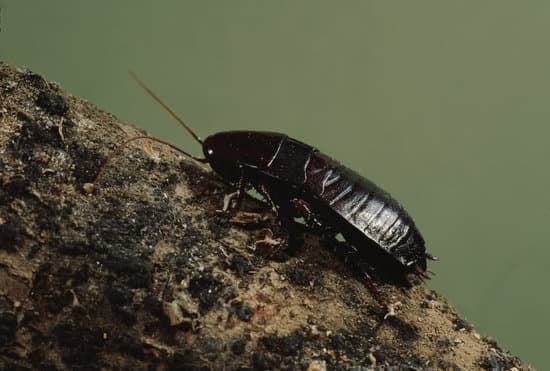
[[300, 181]]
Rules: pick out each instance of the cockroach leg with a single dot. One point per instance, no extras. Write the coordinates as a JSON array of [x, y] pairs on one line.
[[290, 235], [375, 292], [227, 209], [267, 245], [381, 298], [304, 210], [264, 192], [241, 190]]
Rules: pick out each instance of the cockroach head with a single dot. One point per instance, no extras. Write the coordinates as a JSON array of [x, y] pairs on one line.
[[223, 155], [230, 153]]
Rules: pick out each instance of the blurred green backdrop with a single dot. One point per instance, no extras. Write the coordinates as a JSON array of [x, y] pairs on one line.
[[444, 104]]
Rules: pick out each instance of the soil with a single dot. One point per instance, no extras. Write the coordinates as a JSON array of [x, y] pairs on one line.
[[140, 273]]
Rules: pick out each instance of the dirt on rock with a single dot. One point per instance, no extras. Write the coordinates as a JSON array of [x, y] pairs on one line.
[[139, 273]]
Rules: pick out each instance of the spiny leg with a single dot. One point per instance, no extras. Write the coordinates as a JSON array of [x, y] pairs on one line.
[[348, 254], [263, 191], [380, 297], [242, 183], [304, 210], [288, 234], [241, 190]]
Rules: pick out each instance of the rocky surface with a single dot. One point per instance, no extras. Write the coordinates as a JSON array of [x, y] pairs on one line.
[[140, 273]]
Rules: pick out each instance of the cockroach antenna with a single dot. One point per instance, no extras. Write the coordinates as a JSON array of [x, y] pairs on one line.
[[165, 106], [91, 187]]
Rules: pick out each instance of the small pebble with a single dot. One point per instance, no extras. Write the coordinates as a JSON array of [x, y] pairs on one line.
[[88, 187], [317, 365]]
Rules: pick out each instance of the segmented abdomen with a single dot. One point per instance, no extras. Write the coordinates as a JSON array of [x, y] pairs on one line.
[[362, 203]]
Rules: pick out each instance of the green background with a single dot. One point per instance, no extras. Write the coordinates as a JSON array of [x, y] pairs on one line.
[[444, 104]]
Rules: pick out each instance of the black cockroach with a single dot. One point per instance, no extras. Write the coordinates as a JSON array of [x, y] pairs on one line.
[[300, 181]]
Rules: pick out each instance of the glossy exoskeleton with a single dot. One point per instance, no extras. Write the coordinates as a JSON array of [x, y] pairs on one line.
[[298, 180], [301, 181]]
